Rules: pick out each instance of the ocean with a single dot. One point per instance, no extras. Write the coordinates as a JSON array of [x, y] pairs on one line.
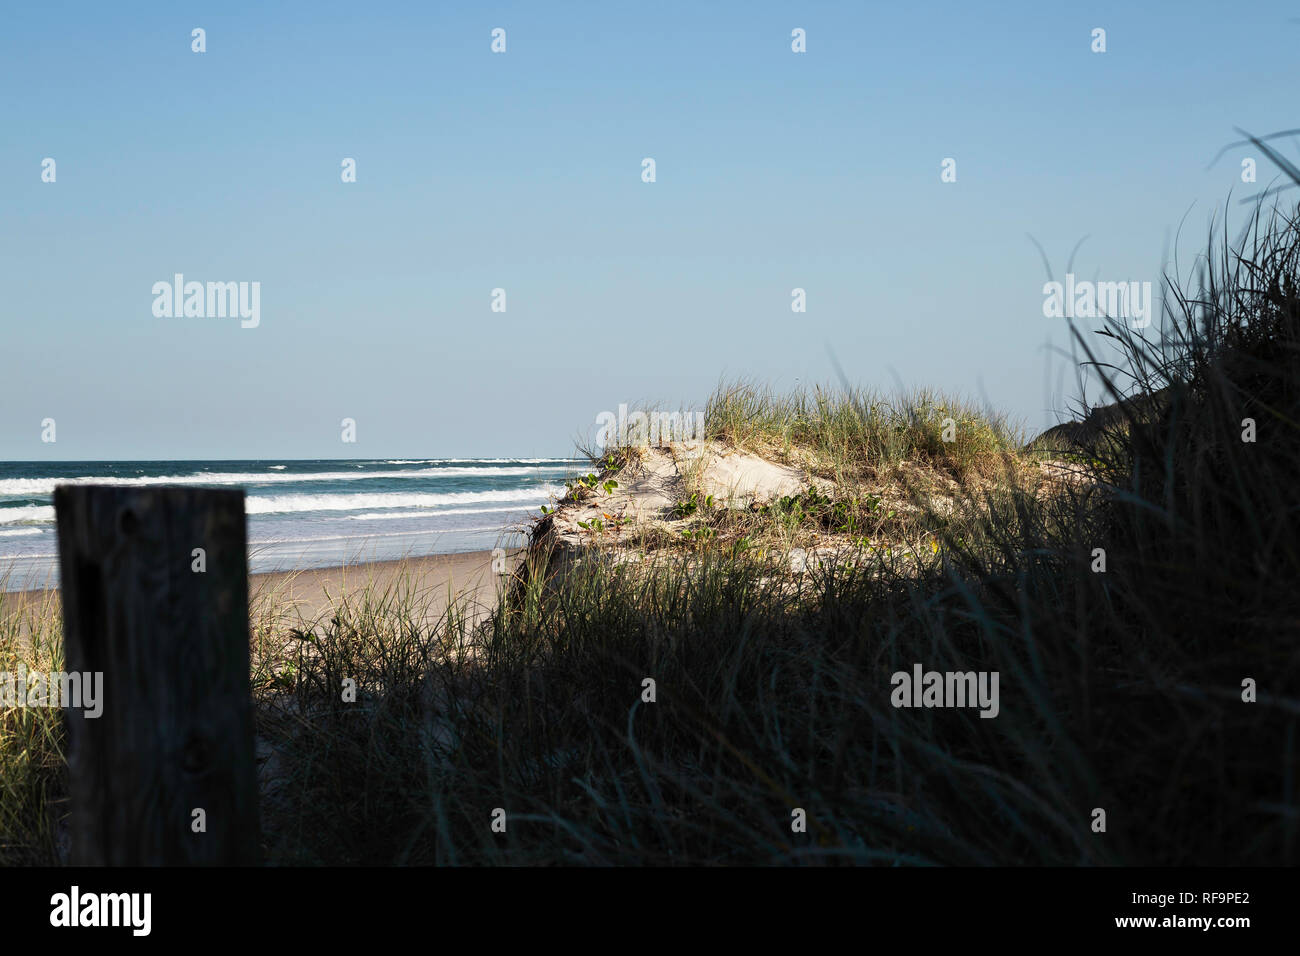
[[303, 514]]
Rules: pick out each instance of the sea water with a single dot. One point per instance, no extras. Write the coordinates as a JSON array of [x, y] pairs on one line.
[[303, 514]]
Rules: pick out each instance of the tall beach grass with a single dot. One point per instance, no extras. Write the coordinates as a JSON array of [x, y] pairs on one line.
[[1124, 684]]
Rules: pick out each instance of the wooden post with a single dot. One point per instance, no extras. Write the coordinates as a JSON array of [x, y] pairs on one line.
[[176, 734]]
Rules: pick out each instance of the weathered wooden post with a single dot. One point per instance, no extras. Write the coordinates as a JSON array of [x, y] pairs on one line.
[[168, 629]]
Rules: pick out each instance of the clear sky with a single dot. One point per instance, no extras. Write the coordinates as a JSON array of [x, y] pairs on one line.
[[522, 171]]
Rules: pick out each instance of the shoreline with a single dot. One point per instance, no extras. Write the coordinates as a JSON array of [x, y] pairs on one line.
[[310, 591]]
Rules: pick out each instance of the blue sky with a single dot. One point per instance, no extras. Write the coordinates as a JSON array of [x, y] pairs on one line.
[[522, 171]]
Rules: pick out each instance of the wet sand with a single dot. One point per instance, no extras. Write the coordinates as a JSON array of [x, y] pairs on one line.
[[428, 581]]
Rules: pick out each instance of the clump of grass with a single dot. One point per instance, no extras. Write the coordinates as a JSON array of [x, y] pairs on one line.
[[846, 433], [680, 711], [1121, 689], [33, 771]]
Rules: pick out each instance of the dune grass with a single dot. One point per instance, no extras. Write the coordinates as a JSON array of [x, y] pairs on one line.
[[33, 772], [1121, 689], [1127, 614], [843, 433]]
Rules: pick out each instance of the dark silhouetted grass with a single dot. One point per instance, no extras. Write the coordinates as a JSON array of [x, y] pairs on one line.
[[1120, 690]]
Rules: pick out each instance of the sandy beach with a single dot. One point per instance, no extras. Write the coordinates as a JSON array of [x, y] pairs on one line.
[[430, 580]]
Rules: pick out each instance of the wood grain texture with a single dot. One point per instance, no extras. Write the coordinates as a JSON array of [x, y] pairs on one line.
[[176, 730]]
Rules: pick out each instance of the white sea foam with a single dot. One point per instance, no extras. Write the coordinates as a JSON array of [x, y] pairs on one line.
[[27, 487], [484, 461], [285, 504], [262, 544], [20, 532], [27, 514], [383, 515], [290, 504]]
